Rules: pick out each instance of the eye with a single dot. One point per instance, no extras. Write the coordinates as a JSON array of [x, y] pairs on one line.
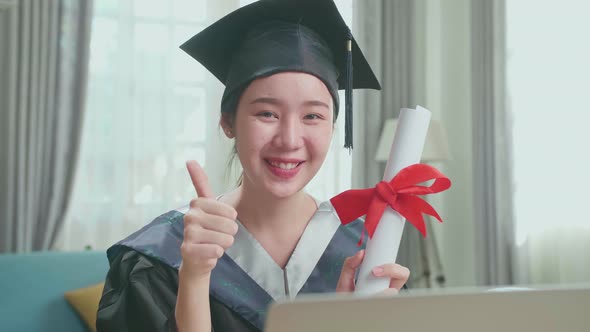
[[313, 116], [266, 114]]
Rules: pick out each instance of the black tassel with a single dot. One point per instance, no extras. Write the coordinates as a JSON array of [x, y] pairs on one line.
[[348, 94]]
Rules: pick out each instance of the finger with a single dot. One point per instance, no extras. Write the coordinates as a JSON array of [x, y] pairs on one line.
[[205, 236], [398, 274], [215, 207], [220, 224], [199, 179], [389, 292], [201, 256], [351, 264], [200, 251], [398, 284]]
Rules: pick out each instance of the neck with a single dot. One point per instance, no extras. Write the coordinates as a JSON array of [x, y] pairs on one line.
[[276, 223], [263, 212]]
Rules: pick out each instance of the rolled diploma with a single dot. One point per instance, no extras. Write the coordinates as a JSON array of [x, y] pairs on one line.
[[406, 150]]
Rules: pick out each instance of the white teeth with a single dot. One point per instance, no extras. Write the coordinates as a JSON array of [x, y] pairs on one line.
[[283, 165]]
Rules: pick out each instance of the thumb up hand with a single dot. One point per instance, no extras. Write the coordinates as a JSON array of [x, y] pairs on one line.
[[209, 227]]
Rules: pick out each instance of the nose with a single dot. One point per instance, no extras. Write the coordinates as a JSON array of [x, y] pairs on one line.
[[289, 134]]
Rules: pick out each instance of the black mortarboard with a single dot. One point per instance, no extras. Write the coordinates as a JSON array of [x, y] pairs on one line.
[[271, 36]]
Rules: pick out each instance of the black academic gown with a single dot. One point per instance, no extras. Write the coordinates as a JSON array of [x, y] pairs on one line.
[[142, 283]]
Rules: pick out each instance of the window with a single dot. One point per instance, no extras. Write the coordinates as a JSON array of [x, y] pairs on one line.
[[150, 107], [548, 79]]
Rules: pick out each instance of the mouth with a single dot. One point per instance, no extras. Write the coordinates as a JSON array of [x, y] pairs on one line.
[[283, 164], [284, 168]]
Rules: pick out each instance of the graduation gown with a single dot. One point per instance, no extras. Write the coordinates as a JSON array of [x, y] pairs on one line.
[[142, 283]]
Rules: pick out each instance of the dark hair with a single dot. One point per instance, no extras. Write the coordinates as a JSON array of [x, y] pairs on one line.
[[230, 104], [229, 108]]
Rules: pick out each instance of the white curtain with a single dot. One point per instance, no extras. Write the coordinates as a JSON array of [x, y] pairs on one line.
[[150, 108], [492, 150], [43, 73], [387, 35], [548, 79]]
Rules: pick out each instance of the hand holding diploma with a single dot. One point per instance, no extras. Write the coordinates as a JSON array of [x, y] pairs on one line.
[[393, 200], [396, 274]]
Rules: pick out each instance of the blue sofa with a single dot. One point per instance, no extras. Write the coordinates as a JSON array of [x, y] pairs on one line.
[[32, 288]]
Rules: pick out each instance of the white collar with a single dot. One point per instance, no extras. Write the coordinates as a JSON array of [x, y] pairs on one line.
[[251, 257]]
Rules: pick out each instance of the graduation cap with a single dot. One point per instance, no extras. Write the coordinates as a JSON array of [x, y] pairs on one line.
[[272, 36]]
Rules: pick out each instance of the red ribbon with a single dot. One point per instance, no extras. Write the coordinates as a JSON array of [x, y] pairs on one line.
[[400, 194]]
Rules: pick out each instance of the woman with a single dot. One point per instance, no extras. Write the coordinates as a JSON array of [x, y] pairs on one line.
[[219, 263]]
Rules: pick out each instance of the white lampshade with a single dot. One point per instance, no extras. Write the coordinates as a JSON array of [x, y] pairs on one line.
[[436, 147]]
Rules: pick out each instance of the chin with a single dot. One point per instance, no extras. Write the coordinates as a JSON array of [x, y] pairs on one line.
[[284, 190]]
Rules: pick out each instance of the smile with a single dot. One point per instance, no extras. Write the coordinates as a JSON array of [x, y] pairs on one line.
[[283, 165], [284, 169]]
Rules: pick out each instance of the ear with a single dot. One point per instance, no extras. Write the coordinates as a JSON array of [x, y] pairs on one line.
[[226, 123]]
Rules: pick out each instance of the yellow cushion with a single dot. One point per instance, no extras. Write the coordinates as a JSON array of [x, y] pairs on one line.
[[85, 302]]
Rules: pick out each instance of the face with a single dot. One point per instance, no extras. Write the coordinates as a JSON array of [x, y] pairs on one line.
[[283, 127]]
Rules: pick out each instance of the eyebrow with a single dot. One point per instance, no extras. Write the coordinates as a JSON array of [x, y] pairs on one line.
[[277, 102], [266, 100], [316, 103]]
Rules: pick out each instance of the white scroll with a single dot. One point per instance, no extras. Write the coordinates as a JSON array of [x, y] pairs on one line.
[[406, 150]]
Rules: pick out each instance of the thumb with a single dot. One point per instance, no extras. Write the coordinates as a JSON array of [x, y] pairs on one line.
[[199, 179], [351, 264]]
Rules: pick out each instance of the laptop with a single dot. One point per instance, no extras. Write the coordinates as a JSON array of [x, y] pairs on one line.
[[502, 310]]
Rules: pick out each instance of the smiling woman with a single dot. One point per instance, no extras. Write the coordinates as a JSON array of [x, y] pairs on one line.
[[219, 262]]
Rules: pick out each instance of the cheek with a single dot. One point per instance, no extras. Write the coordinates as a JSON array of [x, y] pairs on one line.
[[250, 138], [320, 139]]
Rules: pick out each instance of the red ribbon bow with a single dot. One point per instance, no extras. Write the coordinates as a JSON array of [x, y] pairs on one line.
[[400, 193]]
